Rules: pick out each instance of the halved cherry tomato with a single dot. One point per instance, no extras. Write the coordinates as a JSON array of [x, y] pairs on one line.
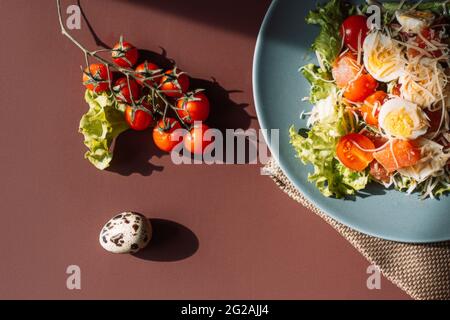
[[138, 121], [351, 151], [400, 154], [95, 78], [163, 135], [124, 92], [354, 31], [148, 70], [193, 107], [174, 83], [195, 141], [358, 90], [124, 54], [345, 69], [371, 107]]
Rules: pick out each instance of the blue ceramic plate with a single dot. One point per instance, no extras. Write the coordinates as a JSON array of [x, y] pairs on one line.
[[282, 47]]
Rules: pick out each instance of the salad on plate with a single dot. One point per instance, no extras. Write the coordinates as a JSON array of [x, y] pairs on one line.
[[380, 96]]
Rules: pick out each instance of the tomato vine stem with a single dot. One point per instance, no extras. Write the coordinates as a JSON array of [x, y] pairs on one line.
[[127, 72]]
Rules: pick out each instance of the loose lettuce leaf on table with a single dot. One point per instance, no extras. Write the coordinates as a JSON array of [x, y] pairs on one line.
[[100, 126]]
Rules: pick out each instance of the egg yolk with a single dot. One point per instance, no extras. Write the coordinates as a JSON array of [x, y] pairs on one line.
[[399, 123], [383, 60]]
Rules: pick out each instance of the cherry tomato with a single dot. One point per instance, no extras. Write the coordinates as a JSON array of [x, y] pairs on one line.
[[429, 34], [174, 83], [371, 107], [195, 141], [163, 135], [400, 154], [358, 90], [95, 78], [124, 92], [193, 107], [148, 70], [350, 154], [345, 69], [351, 29], [138, 121], [124, 54]]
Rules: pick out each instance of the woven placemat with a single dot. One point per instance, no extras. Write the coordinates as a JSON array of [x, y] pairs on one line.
[[421, 270]]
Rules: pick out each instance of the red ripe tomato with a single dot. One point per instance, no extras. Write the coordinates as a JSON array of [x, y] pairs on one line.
[[429, 34], [358, 90], [163, 134], [351, 29], [124, 92], [138, 120], [95, 78], [345, 69], [371, 107], [124, 54], [193, 107], [173, 84], [195, 141], [148, 70], [350, 154]]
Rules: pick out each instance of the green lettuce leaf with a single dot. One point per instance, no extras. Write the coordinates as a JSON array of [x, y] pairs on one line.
[[329, 17], [318, 78], [100, 126], [318, 147]]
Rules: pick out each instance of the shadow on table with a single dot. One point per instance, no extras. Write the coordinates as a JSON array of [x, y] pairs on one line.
[[134, 150], [239, 16], [170, 242]]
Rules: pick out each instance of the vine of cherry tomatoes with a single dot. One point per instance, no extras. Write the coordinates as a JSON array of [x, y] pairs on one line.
[[154, 98]]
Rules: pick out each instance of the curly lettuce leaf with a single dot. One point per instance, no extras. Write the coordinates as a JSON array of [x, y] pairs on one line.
[[440, 186], [100, 126], [329, 17], [319, 79], [318, 147]]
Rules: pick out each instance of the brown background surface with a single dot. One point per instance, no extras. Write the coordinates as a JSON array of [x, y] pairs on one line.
[[238, 237]]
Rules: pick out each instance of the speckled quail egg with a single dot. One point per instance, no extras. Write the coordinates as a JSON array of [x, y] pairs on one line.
[[403, 119], [127, 232]]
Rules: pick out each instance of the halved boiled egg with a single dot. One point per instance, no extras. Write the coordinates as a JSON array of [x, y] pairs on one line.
[[414, 21], [402, 119], [383, 57]]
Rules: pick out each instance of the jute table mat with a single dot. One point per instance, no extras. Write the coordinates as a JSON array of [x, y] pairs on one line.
[[421, 270]]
